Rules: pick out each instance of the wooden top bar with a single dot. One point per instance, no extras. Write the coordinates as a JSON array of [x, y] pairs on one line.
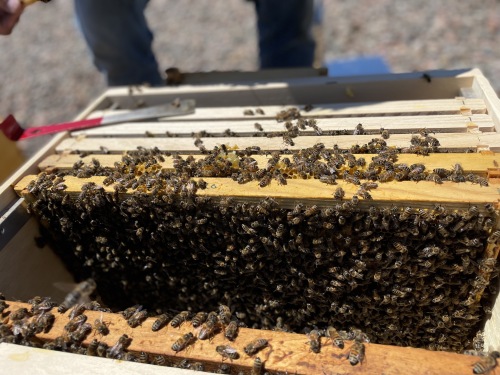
[[287, 352]]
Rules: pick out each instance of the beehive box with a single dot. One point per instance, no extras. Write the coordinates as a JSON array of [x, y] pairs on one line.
[[458, 108]]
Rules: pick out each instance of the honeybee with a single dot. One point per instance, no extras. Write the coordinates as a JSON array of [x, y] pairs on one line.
[[180, 318], [44, 322], [76, 322], [116, 351], [315, 340], [102, 349], [208, 328], [159, 360], [231, 330], [81, 332], [257, 367], [356, 353], [339, 193], [486, 364], [19, 314], [248, 112], [137, 318], [224, 314], [101, 327], [39, 306], [183, 342], [384, 133], [92, 348], [79, 294], [160, 322], [258, 127], [255, 346], [78, 309], [227, 351], [224, 369], [333, 334]]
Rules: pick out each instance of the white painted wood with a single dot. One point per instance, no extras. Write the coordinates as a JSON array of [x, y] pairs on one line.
[[426, 107], [246, 127], [453, 141], [16, 359]]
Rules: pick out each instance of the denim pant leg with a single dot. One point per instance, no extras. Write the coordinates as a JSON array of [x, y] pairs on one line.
[[284, 29], [117, 33]]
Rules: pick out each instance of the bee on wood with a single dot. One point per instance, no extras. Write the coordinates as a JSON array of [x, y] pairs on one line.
[[209, 327], [19, 314], [40, 306], [248, 112], [101, 327], [227, 351], [339, 193], [159, 360], [359, 130], [180, 318], [199, 319], [255, 346], [384, 133], [44, 322], [129, 311], [351, 179], [92, 348], [486, 364], [427, 77], [231, 330], [137, 318], [81, 332], [259, 111], [315, 341], [102, 349], [356, 353], [74, 323], [224, 369], [224, 314], [117, 350], [183, 342], [265, 180], [160, 322], [257, 367], [328, 179], [258, 127], [79, 294], [334, 335]]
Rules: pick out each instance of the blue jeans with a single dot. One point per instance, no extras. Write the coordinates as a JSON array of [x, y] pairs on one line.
[[118, 36]]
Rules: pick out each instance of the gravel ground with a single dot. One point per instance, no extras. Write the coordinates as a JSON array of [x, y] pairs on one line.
[[48, 75]]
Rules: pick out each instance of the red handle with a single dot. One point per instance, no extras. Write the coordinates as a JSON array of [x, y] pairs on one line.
[[55, 128]]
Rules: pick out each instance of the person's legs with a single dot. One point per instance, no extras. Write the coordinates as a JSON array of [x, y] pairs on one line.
[[284, 29], [120, 40]]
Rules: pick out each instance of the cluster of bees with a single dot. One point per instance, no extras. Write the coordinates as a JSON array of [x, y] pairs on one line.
[[383, 270], [22, 325]]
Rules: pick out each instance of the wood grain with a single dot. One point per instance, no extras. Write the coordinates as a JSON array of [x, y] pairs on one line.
[[423, 194], [478, 163], [287, 352]]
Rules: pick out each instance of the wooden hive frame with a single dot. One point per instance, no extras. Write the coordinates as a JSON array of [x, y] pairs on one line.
[[459, 105]]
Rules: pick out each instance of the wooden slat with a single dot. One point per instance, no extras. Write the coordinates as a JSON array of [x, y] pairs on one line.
[[287, 352], [456, 142], [477, 163], [423, 194], [246, 126], [457, 106]]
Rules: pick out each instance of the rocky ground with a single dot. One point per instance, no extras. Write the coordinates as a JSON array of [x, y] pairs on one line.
[[47, 74]]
